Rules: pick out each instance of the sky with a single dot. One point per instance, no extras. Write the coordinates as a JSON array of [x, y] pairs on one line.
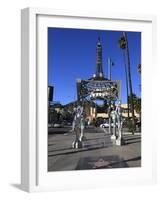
[[72, 55]]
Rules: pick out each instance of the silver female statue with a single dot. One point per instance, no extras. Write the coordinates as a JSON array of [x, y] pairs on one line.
[[116, 117], [119, 123], [78, 127]]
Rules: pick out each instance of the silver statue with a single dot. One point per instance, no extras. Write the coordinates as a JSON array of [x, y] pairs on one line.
[[116, 118], [78, 127]]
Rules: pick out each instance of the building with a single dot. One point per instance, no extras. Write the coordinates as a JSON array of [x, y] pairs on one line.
[[125, 112], [99, 68], [93, 111], [50, 93]]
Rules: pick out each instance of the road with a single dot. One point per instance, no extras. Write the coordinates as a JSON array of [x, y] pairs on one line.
[[98, 151]]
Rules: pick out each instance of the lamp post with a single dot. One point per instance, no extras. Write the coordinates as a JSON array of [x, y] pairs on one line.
[[109, 78]]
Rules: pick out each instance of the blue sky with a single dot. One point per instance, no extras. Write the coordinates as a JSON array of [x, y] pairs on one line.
[[72, 55]]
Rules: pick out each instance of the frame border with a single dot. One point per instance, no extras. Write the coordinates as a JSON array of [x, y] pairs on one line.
[[29, 150]]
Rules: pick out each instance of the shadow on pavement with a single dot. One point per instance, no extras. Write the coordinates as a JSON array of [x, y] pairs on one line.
[[73, 151], [104, 162], [131, 140]]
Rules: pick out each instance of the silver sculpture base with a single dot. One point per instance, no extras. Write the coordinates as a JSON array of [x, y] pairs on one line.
[[118, 142], [77, 144], [82, 138], [113, 137]]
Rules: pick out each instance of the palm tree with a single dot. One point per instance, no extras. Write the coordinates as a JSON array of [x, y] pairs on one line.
[[139, 69], [122, 45], [129, 78], [137, 103]]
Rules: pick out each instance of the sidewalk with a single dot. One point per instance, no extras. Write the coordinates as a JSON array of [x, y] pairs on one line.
[[125, 132], [97, 152]]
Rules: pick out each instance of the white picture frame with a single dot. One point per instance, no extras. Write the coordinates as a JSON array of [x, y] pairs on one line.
[[34, 175]]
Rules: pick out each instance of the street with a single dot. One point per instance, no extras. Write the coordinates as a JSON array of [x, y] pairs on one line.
[[98, 152]]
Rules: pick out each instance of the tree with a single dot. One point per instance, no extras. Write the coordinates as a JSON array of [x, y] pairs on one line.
[[137, 103], [122, 46], [67, 115], [129, 79], [138, 106], [139, 69]]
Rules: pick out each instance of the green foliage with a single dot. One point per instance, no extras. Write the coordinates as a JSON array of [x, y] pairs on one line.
[[93, 122], [122, 43], [130, 126], [139, 68], [66, 115], [98, 121], [136, 102]]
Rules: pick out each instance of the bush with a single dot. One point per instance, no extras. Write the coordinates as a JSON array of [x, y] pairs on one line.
[[128, 123], [131, 126], [98, 121]]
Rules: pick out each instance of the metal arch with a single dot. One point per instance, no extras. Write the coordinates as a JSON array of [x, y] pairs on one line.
[[98, 89], [103, 90]]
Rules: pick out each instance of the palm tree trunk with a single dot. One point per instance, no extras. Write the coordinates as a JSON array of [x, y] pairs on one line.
[[127, 87], [129, 78]]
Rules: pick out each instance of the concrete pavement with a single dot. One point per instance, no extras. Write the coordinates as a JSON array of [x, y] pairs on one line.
[[98, 151]]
